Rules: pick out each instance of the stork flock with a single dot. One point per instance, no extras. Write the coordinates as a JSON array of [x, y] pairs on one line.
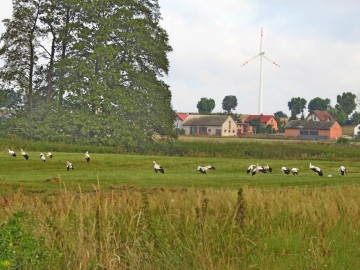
[[253, 169], [69, 165]]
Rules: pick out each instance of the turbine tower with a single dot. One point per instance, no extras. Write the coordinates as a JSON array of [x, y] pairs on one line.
[[261, 54]]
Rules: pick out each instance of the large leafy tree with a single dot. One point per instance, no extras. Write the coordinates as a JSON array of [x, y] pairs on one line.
[[103, 67], [346, 103], [319, 104], [229, 103], [296, 106], [206, 105], [19, 48]]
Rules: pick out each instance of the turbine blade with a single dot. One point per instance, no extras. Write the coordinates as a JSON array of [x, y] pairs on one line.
[[270, 60], [250, 59]]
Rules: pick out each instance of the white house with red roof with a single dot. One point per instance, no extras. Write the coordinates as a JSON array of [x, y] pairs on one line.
[[317, 115], [180, 118]]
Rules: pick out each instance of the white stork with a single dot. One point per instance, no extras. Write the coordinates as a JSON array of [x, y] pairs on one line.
[[342, 170], [50, 155], [267, 168], [316, 169], [250, 168], [24, 154], [12, 153], [285, 170], [69, 166], [42, 157], [203, 169], [295, 171], [87, 156], [158, 168], [256, 169]]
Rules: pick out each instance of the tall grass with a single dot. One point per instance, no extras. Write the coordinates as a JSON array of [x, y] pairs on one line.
[[188, 228]]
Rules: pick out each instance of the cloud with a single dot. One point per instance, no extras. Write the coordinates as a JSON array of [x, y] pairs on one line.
[[315, 42]]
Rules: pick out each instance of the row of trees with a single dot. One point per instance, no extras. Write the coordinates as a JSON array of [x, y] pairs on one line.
[[86, 69], [207, 105], [345, 106]]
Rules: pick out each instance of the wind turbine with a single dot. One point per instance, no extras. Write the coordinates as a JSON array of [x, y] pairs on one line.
[[261, 54]]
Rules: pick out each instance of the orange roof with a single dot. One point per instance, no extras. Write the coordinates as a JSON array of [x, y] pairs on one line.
[[182, 116], [263, 118]]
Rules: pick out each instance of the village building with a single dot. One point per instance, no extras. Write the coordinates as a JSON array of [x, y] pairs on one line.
[[219, 125], [313, 129], [317, 115], [244, 129], [357, 131], [265, 120], [179, 119]]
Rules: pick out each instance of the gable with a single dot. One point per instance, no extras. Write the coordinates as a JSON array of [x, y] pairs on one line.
[[321, 115], [182, 116]]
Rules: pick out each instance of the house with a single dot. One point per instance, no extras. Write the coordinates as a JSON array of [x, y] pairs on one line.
[[313, 129], [317, 115], [244, 128], [220, 125], [265, 120], [179, 119], [357, 131]]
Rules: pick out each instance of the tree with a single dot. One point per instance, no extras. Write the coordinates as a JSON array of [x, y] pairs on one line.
[[229, 103], [103, 69], [205, 105], [256, 124], [10, 99], [346, 102], [355, 118], [280, 114], [297, 106], [19, 50], [319, 104]]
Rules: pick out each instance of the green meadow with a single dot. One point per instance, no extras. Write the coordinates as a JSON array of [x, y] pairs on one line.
[[115, 212]]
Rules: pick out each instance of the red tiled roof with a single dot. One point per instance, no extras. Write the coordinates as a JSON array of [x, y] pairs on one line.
[[322, 115], [263, 118], [182, 116]]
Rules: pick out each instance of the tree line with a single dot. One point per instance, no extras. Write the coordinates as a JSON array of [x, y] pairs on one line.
[[342, 112], [86, 71]]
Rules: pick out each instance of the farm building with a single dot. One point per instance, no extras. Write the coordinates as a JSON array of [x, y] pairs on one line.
[[357, 131], [265, 120], [244, 129], [313, 129], [220, 125], [317, 115], [179, 119]]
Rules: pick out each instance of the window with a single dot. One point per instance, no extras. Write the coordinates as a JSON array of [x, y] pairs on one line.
[[314, 132], [229, 124]]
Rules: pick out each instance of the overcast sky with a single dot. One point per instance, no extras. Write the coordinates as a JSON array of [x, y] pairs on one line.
[[316, 43]]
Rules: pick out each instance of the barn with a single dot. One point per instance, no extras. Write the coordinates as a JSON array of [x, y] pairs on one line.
[[219, 125], [326, 130]]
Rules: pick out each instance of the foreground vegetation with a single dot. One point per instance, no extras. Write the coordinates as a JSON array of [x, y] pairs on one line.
[[116, 213], [188, 228]]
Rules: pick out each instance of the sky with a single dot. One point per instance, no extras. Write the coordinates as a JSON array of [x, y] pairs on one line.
[[315, 42]]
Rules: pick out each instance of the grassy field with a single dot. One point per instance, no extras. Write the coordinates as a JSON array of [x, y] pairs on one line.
[[115, 212], [111, 170]]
